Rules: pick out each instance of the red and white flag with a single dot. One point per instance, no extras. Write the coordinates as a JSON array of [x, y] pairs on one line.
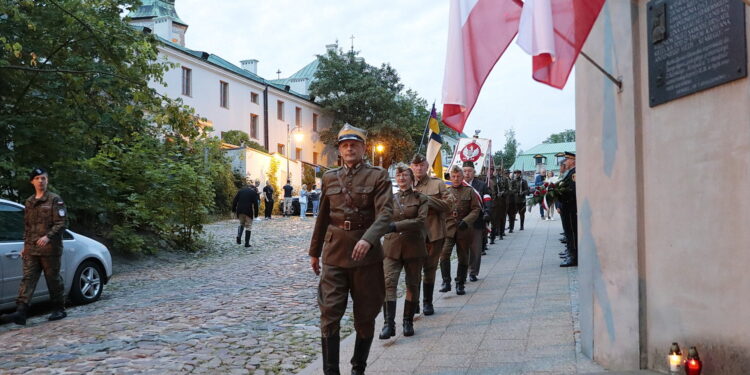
[[553, 32], [479, 31]]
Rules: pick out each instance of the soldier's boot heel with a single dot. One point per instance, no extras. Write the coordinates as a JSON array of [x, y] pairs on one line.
[[18, 317], [361, 352], [389, 320], [445, 271], [408, 327], [330, 355], [461, 279], [428, 290], [247, 238]]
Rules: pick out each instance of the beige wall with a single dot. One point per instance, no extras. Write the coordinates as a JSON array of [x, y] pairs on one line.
[[663, 206]]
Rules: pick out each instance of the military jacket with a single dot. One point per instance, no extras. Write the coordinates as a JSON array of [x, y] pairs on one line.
[[519, 189], [46, 216], [440, 202], [568, 186], [500, 188], [355, 204], [466, 208], [410, 209]]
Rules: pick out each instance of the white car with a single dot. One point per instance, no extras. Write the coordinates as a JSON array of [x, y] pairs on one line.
[[86, 264]]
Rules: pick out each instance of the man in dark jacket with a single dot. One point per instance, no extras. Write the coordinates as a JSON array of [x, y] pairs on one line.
[[245, 205], [479, 246]]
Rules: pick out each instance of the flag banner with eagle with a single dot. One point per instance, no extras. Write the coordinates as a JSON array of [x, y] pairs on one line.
[[434, 144], [476, 150]]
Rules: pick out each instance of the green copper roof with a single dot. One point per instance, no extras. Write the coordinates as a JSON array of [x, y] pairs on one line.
[[526, 161], [155, 9], [307, 72]]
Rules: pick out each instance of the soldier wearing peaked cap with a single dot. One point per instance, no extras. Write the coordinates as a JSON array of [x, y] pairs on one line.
[[355, 211], [44, 223], [499, 187], [569, 211], [479, 245]]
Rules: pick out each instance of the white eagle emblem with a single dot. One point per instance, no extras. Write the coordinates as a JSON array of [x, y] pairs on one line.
[[471, 152]]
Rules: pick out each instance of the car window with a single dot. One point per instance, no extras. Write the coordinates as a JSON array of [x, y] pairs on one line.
[[11, 223]]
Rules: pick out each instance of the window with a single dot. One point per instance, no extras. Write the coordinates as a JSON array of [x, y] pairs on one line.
[[187, 81], [297, 154], [280, 148], [253, 126], [253, 98], [280, 110], [315, 158], [11, 223], [223, 94], [297, 115], [315, 122]]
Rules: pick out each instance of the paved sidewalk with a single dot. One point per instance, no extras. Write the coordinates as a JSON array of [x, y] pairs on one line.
[[517, 319]]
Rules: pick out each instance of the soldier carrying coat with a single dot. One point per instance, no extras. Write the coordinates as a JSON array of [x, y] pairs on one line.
[[404, 249], [355, 211]]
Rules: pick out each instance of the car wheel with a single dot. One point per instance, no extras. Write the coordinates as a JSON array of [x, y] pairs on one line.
[[87, 283]]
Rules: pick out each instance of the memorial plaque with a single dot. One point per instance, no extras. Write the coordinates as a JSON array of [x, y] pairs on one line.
[[694, 45]]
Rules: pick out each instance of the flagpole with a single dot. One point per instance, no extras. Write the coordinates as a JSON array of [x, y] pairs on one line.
[[426, 129]]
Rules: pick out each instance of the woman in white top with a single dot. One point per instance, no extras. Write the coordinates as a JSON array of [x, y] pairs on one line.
[[303, 201], [552, 179]]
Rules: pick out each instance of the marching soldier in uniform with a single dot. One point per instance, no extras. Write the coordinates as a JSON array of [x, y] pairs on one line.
[[355, 211], [459, 231], [569, 210], [440, 202], [44, 224], [519, 190], [479, 245], [404, 249], [512, 209], [499, 187]]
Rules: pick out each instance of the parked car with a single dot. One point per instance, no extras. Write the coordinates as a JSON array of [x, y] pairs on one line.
[[295, 206], [86, 264]]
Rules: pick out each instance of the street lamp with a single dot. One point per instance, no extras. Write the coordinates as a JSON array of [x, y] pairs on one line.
[[380, 149], [298, 137]]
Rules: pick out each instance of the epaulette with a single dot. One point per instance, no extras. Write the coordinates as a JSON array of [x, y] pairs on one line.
[[334, 170]]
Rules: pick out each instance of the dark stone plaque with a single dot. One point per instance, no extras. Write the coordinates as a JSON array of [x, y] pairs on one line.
[[694, 45]]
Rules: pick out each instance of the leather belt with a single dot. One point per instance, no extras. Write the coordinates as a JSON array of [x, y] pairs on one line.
[[350, 225]]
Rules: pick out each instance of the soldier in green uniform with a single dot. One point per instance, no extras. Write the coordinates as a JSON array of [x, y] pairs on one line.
[[44, 223], [440, 203], [459, 232], [499, 187], [404, 249], [355, 211], [519, 188]]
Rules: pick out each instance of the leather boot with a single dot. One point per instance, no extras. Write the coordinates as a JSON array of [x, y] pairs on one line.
[[330, 355], [428, 289], [57, 315], [239, 235], [361, 352], [409, 318], [18, 317], [571, 261], [247, 238], [461, 279], [445, 271], [389, 320]]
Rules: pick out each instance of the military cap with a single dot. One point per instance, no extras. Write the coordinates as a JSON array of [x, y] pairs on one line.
[[353, 133], [36, 172], [517, 171], [418, 159], [570, 155], [468, 164]]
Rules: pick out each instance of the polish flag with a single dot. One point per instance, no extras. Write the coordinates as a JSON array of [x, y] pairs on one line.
[[553, 32], [479, 31]]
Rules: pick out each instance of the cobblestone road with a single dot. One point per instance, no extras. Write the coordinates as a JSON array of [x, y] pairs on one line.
[[227, 311]]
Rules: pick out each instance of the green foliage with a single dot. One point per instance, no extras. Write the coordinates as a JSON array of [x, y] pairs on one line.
[[372, 98], [507, 156], [235, 137], [273, 170], [568, 135], [308, 176], [134, 167]]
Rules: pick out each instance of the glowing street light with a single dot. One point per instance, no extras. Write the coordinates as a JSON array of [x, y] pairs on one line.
[[298, 137], [380, 148]]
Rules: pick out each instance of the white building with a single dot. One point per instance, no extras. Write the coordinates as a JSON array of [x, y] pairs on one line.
[[234, 97]]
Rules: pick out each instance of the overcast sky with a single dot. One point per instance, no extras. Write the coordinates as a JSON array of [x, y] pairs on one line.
[[410, 35]]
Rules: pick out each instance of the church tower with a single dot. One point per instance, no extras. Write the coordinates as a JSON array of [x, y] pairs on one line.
[[161, 17]]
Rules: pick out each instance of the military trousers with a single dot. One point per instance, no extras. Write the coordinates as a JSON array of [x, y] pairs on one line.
[[521, 212], [33, 266], [499, 217], [462, 240], [512, 210], [413, 277], [434, 250], [365, 284], [475, 254]]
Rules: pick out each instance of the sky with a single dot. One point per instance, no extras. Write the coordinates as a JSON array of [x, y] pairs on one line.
[[410, 35]]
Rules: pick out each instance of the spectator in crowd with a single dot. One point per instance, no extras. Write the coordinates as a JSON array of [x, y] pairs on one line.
[[245, 204], [303, 201], [539, 181], [288, 190], [315, 199], [551, 203], [268, 199]]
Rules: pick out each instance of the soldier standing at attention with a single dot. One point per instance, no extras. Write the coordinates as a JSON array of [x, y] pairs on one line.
[[458, 231], [512, 209], [404, 248], [499, 188], [519, 189], [355, 211], [569, 211], [44, 224], [440, 203]]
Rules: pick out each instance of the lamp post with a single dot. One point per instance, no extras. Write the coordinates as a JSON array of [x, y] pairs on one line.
[[380, 149], [297, 139]]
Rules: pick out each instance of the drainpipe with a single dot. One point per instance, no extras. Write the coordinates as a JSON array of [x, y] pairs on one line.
[[265, 118]]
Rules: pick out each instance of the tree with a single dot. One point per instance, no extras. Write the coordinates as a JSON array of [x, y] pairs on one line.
[[372, 98], [235, 137], [568, 135], [507, 156], [135, 167]]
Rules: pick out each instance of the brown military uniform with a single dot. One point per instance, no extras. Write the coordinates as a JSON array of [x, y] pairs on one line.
[[406, 247], [467, 209], [499, 187], [45, 216], [440, 202], [519, 188], [355, 205]]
